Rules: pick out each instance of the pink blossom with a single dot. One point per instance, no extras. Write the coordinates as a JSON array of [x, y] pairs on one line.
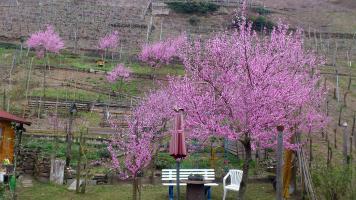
[[45, 41], [147, 125], [119, 72], [110, 41], [162, 52]]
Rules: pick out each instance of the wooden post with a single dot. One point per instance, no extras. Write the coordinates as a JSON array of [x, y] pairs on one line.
[[353, 129], [345, 142], [328, 161], [18, 135], [85, 169], [310, 151], [28, 80], [335, 140], [69, 140], [57, 171], [279, 175], [4, 100], [79, 161]]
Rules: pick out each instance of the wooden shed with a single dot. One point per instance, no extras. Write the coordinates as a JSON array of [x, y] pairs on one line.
[[7, 134]]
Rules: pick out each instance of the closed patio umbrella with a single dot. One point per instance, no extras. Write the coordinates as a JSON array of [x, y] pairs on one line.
[[177, 148]]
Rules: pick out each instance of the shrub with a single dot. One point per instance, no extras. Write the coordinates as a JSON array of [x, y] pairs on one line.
[[333, 182], [104, 153], [261, 22], [194, 20], [261, 10], [193, 7], [164, 161]]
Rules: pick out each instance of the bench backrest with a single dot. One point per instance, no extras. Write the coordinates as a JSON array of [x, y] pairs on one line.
[[170, 174]]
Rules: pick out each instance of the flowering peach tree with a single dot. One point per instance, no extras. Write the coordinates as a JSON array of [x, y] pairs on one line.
[[108, 42], [118, 76], [242, 86], [45, 42], [138, 143], [162, 52]]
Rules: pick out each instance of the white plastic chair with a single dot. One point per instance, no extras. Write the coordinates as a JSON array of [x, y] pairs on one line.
[[235, 177]]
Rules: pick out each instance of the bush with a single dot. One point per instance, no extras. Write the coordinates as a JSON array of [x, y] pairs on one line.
[[261, 10], [194, 20], [261, 22], [193, 7], [104, 153], [164, 161], [334, 182]]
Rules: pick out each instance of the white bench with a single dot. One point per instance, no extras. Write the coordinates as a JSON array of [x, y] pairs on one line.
[[169, 178]]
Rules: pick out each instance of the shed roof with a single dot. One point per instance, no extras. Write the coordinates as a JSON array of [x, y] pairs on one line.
[[5, 116]]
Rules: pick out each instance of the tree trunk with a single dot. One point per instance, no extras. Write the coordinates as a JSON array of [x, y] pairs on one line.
[[246, 167], [152, 166], [134, 188]]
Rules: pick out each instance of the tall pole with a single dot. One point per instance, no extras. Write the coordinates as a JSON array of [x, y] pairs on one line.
[[178, 163], [279, 175]]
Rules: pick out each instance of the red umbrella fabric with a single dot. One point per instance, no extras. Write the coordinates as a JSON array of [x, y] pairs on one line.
[[177, 147]]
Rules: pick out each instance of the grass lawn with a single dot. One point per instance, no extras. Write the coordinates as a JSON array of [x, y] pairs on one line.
[[40, 191]]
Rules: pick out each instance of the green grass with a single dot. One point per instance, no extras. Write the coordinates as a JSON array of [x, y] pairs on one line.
[[164, 70], [70, 94], [40, 191]]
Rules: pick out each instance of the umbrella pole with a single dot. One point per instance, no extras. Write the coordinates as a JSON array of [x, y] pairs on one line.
[[177, 162]]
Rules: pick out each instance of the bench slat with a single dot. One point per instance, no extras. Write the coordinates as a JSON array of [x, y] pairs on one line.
[[207, 174], [185, 176], [193, 170], [164, 176], [184, 184]]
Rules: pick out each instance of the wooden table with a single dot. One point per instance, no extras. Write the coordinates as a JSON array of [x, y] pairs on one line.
[[195, 190]]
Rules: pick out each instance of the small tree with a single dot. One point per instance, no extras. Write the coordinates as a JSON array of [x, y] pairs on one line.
[[118, 76], [45, 42], [162, 52], [108, 42], [138, 144]]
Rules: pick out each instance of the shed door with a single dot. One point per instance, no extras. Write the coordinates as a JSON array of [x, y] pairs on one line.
[[6, 142]]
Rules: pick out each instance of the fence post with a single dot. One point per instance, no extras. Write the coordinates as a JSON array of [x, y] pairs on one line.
[[344, 145], [279, 175]]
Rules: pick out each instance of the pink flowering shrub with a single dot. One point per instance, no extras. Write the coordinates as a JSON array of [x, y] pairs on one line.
[[45, 41], [162, 52], [110, 41], [120, 72]]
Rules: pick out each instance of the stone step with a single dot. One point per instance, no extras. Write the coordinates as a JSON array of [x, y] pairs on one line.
[[27, 182], [74, 184]]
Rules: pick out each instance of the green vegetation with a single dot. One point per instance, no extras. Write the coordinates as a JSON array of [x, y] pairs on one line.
[[58, 148], [190, 7], [40, 191], [261, 10], [193, 20], [70, 94], [335, 182], [260, 23]]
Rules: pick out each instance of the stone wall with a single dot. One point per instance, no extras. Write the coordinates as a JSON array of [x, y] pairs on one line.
[[43, 168], [26, 161], [30, 161]]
